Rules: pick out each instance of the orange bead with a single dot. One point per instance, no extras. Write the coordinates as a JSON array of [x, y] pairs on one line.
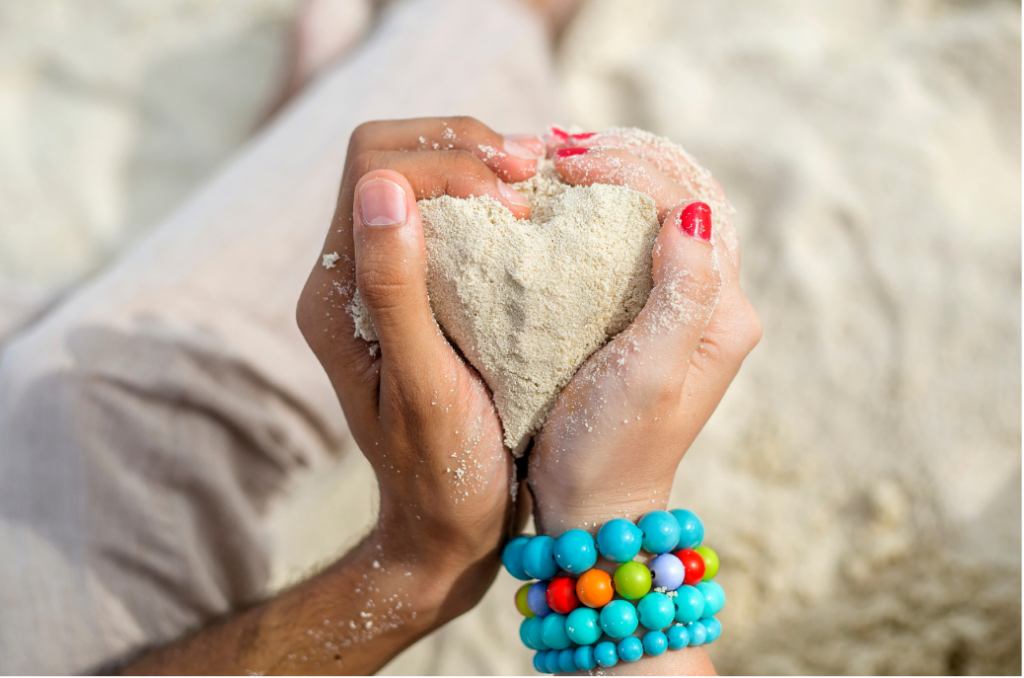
[[594, 588]]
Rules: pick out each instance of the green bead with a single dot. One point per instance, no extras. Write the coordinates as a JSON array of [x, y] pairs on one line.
[[632, 580], [710, 561]]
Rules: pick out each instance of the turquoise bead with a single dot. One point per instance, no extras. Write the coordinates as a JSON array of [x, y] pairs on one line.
[[535, 632], [551, 661], [524, 635], [661, 532], [512, 558], [689, 604], [565, 661], [630, 649], [584, 657], [655, 643], [713, 627], [619, 540], [691, 528], [555, 636], [618, 619], [538, 662], [539, 558], [605, 654], [714, 598], [583, 626], [656, 611], [575, 551], [698, 634], [678, 637]]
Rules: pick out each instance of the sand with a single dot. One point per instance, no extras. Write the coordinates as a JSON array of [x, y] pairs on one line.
[[528, 301]]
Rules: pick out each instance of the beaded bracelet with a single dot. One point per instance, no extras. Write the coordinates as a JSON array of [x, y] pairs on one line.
[[679, 612]]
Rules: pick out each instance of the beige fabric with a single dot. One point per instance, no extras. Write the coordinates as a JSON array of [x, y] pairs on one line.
[[148, 423]]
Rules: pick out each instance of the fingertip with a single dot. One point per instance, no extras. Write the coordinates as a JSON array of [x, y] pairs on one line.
[[515, 201], [373, 191], [517, 157], [525, 146], [681, 248]]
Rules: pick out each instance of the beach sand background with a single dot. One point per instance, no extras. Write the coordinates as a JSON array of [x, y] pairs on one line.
[[862, 478]]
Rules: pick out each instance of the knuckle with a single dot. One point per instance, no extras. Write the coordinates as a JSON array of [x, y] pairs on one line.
[[311, 316], [468, 126], [459, 162], [752, 329], [744, 334], [381, 284], [304, 314], [464, 173], [367, 161], [364, 135]]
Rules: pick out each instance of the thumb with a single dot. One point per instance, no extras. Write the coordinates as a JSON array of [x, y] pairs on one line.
[[655, 351], [390, 255]]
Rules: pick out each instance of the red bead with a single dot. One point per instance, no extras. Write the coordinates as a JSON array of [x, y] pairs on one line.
[[694, 565], [562, 594]]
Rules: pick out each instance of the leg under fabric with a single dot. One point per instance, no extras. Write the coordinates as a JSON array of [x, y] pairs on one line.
[[146, 423]]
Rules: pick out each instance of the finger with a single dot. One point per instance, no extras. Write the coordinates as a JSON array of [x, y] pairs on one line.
[[675, 162], [732, 333], [391, 266], [583, 167], [513, 158], [557, 138], [323, 312], [532, 144], [651, 358], [435, 173]]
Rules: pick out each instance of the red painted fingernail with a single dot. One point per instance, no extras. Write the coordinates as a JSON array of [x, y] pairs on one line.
[[583, 136], [695, 221], [560, 133], [571, 151]]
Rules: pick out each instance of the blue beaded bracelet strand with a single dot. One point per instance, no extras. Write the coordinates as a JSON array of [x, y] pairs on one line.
[[608, 653], [578, 623]]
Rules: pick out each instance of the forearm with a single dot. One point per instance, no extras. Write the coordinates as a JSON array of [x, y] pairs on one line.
[[351, 619]]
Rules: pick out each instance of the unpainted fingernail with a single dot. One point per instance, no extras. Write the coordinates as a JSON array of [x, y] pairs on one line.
[[521, 150], [382, 202], [570, 151], [695, 221], [512, 195]]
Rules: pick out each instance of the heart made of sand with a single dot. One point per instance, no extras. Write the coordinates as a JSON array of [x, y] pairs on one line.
[[528, 301]]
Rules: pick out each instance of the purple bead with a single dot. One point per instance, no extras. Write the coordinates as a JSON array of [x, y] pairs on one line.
[[537, 599], [667, 571]]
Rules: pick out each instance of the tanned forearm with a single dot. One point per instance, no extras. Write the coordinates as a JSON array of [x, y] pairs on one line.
[[351, 619]]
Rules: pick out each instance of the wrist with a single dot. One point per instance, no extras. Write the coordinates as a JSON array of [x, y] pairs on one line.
[[564, 511], [445, 573]]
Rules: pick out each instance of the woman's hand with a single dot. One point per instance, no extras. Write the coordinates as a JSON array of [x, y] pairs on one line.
[[620, 428], [422, 416], [611, 445]]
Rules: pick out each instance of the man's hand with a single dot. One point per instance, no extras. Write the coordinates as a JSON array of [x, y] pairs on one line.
[[422, 417]]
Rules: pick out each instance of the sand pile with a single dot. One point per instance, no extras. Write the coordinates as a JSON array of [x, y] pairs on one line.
[[528, 301]]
